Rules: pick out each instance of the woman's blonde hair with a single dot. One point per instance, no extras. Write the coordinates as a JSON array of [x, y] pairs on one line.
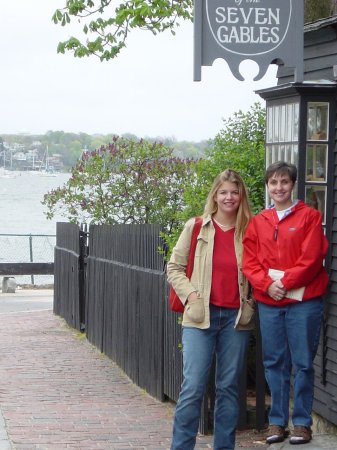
[[244, 212]]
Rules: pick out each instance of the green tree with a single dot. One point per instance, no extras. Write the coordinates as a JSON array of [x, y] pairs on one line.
[[106, 26], [124, 182], [240, 145], [314, 9]]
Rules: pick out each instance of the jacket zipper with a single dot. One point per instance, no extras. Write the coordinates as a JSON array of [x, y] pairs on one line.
[[275, 232]]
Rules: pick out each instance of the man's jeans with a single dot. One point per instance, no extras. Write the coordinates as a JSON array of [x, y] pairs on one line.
[[199, 346], [290, 337]]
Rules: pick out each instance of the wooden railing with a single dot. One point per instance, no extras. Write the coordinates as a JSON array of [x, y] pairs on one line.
[[32, 268]]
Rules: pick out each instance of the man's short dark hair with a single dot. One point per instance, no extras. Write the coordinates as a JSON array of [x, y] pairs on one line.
[[281, 168]]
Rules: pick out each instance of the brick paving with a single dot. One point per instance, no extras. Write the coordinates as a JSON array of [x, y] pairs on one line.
[[59, 392]]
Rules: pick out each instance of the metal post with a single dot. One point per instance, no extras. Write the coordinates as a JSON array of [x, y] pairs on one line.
[[83, 253], [31, 254], [260, 381]]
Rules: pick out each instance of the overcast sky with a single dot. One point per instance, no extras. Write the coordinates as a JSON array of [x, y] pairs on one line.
[[148, 90]]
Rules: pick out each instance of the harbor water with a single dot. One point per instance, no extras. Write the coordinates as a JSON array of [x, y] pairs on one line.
[[25, 232]]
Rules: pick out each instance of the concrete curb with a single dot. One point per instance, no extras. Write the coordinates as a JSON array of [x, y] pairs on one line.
[[5, 443]]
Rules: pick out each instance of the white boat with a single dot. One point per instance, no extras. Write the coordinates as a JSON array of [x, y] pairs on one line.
[[44, 173], [46, 170], [4, 173]]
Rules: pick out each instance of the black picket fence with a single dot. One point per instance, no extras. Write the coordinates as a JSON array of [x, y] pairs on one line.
[[69, 274], [111, 283]]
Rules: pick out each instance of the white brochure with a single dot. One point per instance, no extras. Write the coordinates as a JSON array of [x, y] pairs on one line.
[[294, 294]]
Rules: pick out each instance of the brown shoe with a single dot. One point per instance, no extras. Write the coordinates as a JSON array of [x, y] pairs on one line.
[[300, 435], [276, 433]]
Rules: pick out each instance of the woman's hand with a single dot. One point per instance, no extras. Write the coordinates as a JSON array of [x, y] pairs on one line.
[[192, 297], [276, 290], [195, 308]]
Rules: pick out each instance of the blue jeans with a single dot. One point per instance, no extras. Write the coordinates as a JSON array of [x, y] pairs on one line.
[[199, 347], [290, 337]]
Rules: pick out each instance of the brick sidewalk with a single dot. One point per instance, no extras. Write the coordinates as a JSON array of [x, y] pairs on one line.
[[59, 392]]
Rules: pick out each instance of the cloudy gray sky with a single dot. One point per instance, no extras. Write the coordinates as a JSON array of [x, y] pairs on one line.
[[148, 90]]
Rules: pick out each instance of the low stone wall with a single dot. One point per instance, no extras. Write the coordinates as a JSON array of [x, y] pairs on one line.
[[322, 426]]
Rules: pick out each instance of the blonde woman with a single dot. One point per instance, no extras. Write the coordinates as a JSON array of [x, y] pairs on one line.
[[215, 320]]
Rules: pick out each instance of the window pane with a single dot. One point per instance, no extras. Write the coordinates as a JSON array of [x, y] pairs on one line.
[[276, 122], [316, 162], [269, 124], [296, 122], [289, 122], [282, 123], [294, 156], [315, 197], [288, 153], [278, 152], [269, 152], [318, 120], [281, 153]]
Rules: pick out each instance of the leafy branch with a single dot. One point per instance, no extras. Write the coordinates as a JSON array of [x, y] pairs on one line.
[[106, 29]]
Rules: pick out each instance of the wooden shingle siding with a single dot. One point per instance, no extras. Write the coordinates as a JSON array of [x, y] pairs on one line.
[[320, 53]]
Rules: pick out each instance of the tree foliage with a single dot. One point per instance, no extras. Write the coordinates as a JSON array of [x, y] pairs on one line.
[[314, 9], [240, 145], [106, 26], [124, 182]]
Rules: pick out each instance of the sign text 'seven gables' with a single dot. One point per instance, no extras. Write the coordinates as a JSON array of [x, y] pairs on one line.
[[264, 31]]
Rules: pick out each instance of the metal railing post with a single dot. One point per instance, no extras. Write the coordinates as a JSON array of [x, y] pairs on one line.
[[31, 254], [83, 239]]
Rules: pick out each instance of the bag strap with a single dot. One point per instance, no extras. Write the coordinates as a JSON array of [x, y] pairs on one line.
[[193, 246]]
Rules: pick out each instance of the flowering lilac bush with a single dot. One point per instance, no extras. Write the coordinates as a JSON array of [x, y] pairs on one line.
[[124, 182]]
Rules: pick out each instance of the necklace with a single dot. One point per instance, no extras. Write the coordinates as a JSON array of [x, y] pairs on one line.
[[222, 225]]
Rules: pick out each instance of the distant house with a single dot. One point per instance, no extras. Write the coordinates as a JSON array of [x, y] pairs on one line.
[[56, 160], [35, 144], [19, 156]]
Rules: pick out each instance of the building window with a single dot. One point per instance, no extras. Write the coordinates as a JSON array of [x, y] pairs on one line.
[[317, 156], [318, 119], [316, 162], [315, 196]]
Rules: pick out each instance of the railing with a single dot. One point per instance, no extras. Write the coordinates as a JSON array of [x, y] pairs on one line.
[[28, 255]]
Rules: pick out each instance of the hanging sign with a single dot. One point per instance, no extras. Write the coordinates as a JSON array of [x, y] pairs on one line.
[[265, 31]]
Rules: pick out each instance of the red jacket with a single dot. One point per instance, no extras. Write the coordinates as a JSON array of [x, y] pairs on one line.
[[295, 245]]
